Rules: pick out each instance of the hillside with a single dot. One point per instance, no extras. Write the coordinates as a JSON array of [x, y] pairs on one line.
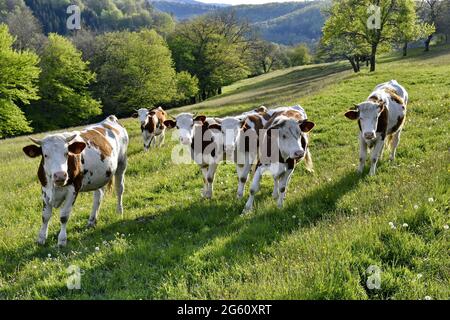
[[171, 244], [285, 23]]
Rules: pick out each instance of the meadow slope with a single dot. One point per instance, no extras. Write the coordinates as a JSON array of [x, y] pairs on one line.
[[172, 244]]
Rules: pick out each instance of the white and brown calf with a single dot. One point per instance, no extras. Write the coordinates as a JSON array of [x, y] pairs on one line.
[[79, 162], [152, 126], [241, 140], [205, 145], [284, 144], [380, 118]]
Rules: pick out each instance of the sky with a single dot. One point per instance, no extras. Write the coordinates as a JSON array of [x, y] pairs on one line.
[[235, 2]]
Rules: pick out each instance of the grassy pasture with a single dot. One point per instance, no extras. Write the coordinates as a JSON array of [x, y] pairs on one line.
[[172, 244]]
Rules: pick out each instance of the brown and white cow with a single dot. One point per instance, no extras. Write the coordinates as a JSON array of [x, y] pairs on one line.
[[284, 144], [381, 117], [74, 162], [152, 126], [205, 144], [241, 140]]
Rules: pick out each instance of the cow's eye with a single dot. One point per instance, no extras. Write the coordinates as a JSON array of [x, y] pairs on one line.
[[284, 136], [45, 156]]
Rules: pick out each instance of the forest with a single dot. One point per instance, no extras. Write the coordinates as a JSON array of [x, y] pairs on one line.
[[128, 55]]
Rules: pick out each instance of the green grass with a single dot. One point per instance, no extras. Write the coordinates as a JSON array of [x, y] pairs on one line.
[[172, 244]]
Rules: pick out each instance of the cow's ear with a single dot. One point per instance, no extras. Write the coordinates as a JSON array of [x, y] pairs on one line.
[[215, 126], [32, 151], [170, 124], [352, 114], [77, 147], [202, 119], [306, 126], [135, 115]]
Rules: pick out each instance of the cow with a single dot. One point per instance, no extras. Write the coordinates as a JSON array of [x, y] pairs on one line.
[[380, 118], [205, 143], [74, 162], [152, 126], [284, 144], [240, 136]]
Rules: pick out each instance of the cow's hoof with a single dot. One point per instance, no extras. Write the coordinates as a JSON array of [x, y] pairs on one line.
[[41, 241], [62, 242], [91, 224], [275, 195], [240, 196], [120, 210]]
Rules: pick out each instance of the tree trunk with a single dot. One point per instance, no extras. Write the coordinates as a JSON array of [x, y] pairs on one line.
[[427, 42], [357, 63], [373, 58], [220, 90], [405, 49], [352, 62]]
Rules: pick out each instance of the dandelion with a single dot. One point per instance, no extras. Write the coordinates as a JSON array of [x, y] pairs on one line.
[[419, 276], [405, 225], [49, 255], [416, 206], [430, 200], [427, 298], [446, 227], [97, 249], [105, 242], [293, 217]]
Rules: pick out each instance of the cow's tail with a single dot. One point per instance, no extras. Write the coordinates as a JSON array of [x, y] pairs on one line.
[[308, 161], [109, 187]]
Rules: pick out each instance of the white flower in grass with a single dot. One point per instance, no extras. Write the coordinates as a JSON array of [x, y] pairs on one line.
[[419, 276], [293, 217], [428, 298], [416, 206], [97, 249], [430, 199], [49, 255], [405, 225], [446, 227], [392, 225]]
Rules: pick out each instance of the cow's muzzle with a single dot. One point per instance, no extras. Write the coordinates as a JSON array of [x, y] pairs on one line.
[[60, 178]]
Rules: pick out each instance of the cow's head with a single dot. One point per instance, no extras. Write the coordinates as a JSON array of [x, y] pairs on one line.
[[292, 136], [55, 151], [231, 129], [367, 113], [185, 122], [142, 115]]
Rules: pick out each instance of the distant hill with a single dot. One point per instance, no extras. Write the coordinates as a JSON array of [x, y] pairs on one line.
[[285, 23], [185, 9]]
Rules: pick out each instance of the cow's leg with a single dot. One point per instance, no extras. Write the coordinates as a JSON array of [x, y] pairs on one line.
[[120, 184], [362, 154], [210, 179], [375, 155], [253, 189], [98, 196], [275, 193], [283, 182], [243, 171], [153, 142], [46, 215], [394, 144], [65, 214], [162, 137], [204, 169]]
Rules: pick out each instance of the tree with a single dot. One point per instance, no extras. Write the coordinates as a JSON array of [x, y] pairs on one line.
[[26, 28], [63, 84], [410, 29], [430, 11], [135, 70], [366, 22], [299, 55], [213, 48], [18, 78], [187, 86], [265, 56]]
